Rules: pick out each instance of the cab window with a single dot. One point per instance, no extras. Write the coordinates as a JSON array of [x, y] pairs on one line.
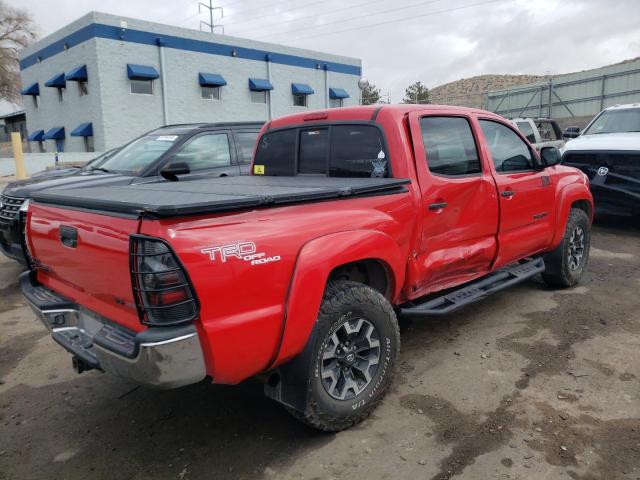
[[508, 151]]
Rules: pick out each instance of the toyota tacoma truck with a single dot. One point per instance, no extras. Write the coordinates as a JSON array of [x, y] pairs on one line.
[[608, 151], [297, 274]]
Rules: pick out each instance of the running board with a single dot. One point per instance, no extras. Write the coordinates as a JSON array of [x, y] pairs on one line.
[[476, 290]]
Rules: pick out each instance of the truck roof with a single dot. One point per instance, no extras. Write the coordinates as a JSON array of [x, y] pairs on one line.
[[369, 112], [624, 106]]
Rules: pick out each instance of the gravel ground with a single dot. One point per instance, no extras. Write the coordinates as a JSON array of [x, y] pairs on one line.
[[528, 384]]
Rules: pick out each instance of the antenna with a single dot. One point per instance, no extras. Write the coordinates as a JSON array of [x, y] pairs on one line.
[[211, 8]]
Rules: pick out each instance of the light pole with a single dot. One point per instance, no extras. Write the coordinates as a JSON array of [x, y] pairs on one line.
[[362, 84]]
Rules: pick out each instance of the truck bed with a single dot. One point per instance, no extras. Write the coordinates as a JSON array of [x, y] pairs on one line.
[[169, 199]]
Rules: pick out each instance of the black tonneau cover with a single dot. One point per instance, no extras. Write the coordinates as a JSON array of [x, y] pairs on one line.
[[168, 199]]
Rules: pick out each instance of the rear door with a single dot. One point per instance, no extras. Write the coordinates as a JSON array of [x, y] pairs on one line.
[[245, 142], [527, 196], [208, 154], [459, 203]]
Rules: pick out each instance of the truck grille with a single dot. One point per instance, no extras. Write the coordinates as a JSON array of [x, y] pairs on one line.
[[625, 164], [9, 209]]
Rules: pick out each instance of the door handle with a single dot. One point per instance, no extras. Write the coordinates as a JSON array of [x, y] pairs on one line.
[[508, 193], [438, 205]]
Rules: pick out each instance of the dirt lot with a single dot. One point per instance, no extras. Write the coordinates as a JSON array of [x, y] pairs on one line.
[[529, 384]]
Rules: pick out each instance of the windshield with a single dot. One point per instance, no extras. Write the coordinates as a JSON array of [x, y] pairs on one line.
[[140, 153], [616, 121]]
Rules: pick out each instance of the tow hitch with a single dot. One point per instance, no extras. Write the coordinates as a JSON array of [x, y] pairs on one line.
[[80, 365]]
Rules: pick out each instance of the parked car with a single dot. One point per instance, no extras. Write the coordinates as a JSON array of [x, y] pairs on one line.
[[297, 272], [541, 132], [608, 151], [176, 152]]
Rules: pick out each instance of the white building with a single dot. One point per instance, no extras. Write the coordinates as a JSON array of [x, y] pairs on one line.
[[102, 80]]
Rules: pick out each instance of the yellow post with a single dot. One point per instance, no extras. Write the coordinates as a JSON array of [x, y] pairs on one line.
[[16, 143]]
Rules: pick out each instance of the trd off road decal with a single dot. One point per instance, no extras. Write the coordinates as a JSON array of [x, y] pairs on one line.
[[245, 251]]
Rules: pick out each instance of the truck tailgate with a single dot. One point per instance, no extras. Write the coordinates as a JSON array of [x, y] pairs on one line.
[[85, 257]]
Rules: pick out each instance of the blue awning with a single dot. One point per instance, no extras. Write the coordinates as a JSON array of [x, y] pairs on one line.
[[301, 89], [78, 74], [56, 81], [141, 72], [338, 93], [259, 84], [31, 90], [36, 136], [211, 80], [55, 133], [83, 130]]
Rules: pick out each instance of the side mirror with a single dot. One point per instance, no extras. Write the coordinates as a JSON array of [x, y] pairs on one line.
[[171, 171], [571, 132], [550, 156]]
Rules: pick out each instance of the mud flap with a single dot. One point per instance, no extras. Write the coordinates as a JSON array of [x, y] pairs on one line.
[[289, 384]]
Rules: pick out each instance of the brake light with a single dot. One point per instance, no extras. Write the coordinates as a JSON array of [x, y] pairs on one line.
[[161, 288]]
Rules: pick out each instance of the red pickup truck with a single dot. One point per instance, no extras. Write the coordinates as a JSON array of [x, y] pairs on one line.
[[297, 273]]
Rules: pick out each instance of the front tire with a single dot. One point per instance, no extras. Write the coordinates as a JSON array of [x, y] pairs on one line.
[[566, 264], [356, 343]]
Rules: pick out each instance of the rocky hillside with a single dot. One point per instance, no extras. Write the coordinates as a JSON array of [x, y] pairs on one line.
[[468, 91]]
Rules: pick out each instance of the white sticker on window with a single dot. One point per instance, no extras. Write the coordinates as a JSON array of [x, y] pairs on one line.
[[167, 138]]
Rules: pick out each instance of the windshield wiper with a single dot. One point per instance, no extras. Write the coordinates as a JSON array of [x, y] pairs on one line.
[[102, 169]]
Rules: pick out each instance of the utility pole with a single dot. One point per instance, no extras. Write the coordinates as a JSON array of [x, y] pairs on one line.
[[211, 8]]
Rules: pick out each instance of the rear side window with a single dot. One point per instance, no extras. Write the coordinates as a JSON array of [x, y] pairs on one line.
[[333, 150], [245, 142], [508, 151], [276, 153], [450, 147], [357, 151]]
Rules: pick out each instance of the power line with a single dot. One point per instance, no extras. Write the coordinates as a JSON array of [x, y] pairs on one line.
[[371, 14], [396, 20], [306, 5], [297, 19]]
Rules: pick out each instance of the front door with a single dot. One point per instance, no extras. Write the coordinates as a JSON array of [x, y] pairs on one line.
[[527, 198], [207, 155], [457, 242]]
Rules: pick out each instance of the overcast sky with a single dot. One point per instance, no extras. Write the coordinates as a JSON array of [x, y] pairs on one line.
[[402, 41]]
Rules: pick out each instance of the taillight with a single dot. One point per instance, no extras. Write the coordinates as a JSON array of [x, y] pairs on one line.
[[161, 288]]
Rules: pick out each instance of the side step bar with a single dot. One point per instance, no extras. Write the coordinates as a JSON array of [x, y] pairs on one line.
[[477, 290]]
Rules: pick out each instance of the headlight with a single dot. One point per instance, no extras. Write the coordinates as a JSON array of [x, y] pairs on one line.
[[25, 206]]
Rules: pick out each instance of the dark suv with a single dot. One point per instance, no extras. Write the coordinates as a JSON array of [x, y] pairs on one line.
[[174, 152]]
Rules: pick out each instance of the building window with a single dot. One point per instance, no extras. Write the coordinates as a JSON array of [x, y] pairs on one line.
[[259, 96], [142, 87], [83, 88], [299, 100], [88, 144], [211, 93], [60, 94], [335, 102]]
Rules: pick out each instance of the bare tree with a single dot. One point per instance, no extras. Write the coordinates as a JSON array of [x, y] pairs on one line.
[[17, 31]]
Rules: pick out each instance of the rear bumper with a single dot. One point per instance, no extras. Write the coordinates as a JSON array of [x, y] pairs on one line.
[[161, 357]]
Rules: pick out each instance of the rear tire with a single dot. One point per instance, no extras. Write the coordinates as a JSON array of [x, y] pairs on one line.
[[356, 343], [566, 264]]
